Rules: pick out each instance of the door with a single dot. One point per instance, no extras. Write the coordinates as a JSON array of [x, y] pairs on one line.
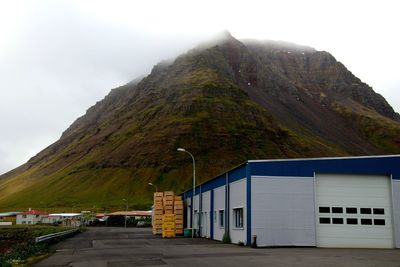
[[353, 211], [204, 224]]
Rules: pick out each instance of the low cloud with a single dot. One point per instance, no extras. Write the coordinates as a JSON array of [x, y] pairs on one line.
[[57, 58]]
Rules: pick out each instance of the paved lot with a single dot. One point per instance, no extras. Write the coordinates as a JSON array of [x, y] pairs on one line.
[[111, 247]]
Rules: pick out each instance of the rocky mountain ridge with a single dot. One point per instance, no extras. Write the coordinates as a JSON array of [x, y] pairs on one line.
[[226, 101]]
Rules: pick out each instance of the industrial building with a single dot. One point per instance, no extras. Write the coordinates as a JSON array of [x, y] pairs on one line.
[[323, 202]]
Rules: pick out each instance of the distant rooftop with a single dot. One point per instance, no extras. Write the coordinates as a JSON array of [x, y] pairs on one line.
[[131, 213], [35, 212]]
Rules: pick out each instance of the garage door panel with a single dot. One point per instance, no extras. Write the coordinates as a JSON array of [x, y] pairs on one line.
[[353, 211], [373, 202], [364, 243], [337, 191]]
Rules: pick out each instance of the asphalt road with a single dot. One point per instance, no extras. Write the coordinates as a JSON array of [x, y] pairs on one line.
[[111, 247]]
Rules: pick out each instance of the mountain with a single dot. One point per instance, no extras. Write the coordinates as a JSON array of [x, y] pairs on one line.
[[225, 101]]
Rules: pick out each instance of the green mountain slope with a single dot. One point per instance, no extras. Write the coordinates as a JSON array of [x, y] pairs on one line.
[[226, 102]]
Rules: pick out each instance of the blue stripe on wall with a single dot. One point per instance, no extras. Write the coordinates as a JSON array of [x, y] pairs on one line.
[[306, 168], [234, 175], [237, 174]]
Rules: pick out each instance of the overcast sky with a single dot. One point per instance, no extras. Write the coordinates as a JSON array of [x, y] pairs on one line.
[[57, 58]]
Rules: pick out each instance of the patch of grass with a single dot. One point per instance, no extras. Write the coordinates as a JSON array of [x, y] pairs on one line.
[[380, 131], [17, 244]]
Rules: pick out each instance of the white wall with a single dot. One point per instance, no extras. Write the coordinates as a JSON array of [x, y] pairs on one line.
[[237, 199], [30, 219], [196, 212], [19, 219], [219, 204], [283, 211], [205, 218], [396, 211]]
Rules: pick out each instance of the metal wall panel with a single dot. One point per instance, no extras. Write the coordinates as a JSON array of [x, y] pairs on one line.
[[283, 211], [237, 199], [396, 211], [219, 204], [205, 217], [196, 212]]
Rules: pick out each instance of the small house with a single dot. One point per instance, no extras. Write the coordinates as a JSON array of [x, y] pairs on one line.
[[30, 216]]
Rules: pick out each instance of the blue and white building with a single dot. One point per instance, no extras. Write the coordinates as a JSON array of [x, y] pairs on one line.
[[323, 202]]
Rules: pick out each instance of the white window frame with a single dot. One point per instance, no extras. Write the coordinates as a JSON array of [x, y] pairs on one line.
[[221, 219], [238, 218]]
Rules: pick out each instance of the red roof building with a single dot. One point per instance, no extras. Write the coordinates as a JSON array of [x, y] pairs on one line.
[[30, 216], [34, 212]]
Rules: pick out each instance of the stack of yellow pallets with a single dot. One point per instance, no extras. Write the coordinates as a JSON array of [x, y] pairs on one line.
[[167, 214], [168, 226], [178, 211], [168, 202], [158, 213]]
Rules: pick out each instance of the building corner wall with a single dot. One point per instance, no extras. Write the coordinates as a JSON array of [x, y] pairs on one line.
[[237, 200], [396, 211], [283, 211], [249, 210]]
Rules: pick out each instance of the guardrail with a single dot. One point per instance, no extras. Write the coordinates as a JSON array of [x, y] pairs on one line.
[[55, 235]]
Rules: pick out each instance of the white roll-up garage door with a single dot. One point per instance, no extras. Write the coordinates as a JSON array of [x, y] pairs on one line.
[[353, 211]]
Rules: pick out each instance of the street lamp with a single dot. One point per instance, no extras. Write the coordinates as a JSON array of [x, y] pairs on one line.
[[153, 185], [194, 184], [126, 210]]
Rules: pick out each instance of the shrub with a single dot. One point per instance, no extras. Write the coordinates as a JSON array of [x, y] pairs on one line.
[[226, 238]]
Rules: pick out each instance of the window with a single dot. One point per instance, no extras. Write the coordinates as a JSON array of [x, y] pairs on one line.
[[351, 210], [323, 220], [379, 211], [37, 216], [324, 210], [365, 210], [221, 218], [337, 210], [24, 216], [366, 221], [238, 217], [379, 221], [215, 216], [337, 220], [352, 221], [29, 222], [23, 222]]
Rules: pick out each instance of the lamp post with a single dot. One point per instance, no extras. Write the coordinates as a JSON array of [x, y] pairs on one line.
[[126, 210], [194, 184], [153, 185]]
